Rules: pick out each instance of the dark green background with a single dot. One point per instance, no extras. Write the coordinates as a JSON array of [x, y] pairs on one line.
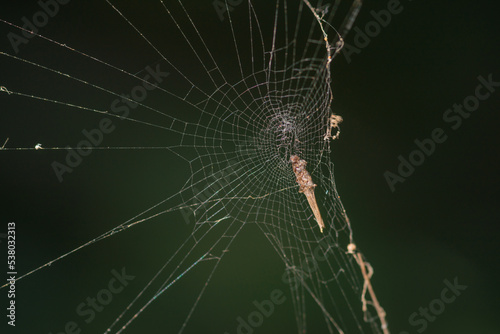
[[439, 224]]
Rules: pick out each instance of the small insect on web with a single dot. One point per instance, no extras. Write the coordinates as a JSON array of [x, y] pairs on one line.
[[334, 122]]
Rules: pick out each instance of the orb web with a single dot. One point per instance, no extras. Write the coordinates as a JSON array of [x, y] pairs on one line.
[[248, 106]]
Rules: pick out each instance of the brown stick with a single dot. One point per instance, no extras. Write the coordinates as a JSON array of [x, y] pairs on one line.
[[307, 186], [367, 285]]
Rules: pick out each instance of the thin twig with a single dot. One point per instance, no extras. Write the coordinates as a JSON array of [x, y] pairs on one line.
[[368, 286]]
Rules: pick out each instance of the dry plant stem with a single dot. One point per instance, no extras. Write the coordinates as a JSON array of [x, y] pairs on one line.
[[304, 179], [367, 285]]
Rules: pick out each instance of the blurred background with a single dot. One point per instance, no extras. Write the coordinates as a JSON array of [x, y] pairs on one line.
[[440, 224]]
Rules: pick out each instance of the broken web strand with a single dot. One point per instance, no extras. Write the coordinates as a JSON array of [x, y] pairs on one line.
[[297, 235]]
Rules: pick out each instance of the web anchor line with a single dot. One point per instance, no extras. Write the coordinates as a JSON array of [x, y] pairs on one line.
[[39, 146]]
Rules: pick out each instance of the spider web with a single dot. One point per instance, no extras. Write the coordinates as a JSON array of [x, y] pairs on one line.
[[240, 98]]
